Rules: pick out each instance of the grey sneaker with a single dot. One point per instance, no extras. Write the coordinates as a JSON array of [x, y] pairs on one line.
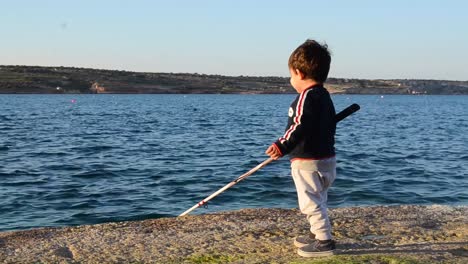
[[321, 248], [302, 241]]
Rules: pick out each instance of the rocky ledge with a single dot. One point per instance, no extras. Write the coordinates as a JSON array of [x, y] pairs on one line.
[[378, 234]]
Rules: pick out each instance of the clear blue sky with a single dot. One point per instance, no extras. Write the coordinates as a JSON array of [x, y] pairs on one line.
[[369, 39]]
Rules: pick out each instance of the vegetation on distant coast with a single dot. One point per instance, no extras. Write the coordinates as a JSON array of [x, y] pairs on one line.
[[47, 80]]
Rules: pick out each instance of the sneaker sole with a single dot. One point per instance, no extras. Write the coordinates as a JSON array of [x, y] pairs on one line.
[[315, 254], [299, 244]]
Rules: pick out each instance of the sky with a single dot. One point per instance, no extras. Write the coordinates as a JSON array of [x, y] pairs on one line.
[[394, 39]]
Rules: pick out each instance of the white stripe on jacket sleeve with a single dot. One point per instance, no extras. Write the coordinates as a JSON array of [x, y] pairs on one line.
[[297, 118]]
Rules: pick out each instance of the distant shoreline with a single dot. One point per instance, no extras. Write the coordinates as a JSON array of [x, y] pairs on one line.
[[69, 80]]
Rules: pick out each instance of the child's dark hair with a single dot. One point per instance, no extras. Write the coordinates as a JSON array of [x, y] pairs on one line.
[[312, 59]]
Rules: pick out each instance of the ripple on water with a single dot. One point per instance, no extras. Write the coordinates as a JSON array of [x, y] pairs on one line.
[[24, 182], [5, 118], [62, 194], [4, 148], [89, 204], [98, 174], [94, 149]]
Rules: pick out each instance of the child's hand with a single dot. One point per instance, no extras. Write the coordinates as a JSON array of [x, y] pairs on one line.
[[273, 152]]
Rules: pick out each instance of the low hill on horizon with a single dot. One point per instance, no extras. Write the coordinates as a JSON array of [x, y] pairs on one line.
[[49, 80]]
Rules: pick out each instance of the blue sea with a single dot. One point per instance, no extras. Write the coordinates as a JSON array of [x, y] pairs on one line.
[[85, 159]]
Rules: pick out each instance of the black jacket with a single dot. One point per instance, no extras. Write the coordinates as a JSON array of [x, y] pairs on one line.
[[310, 133]]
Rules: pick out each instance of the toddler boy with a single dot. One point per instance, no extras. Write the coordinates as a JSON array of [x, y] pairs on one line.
[[309, 140]]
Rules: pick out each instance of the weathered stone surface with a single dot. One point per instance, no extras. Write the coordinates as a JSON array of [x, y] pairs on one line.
[[379, 234]]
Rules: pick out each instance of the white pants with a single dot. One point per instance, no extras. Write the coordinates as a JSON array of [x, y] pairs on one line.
[[312, 179]]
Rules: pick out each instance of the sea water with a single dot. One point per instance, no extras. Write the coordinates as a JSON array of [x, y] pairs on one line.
[[84, 159]]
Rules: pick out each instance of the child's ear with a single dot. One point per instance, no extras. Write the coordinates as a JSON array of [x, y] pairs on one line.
[[300, 74]]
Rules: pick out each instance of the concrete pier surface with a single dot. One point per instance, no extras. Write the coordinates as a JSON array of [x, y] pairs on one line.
[[376, 234]]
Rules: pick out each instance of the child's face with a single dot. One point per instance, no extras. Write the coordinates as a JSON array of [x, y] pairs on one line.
[[296, 77]]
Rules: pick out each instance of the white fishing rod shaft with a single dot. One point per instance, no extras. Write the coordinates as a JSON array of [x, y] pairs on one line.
[[229, 185], [338, 117]]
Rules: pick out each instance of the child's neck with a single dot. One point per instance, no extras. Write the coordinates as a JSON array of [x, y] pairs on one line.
[[306, 84]]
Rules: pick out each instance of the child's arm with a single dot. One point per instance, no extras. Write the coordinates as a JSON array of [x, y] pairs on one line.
[[303, 122], [292, 136]]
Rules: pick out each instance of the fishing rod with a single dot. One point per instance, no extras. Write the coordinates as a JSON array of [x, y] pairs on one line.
[[338, 117]]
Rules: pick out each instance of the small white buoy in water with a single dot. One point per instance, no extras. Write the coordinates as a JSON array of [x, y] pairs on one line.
[[381, 96]]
